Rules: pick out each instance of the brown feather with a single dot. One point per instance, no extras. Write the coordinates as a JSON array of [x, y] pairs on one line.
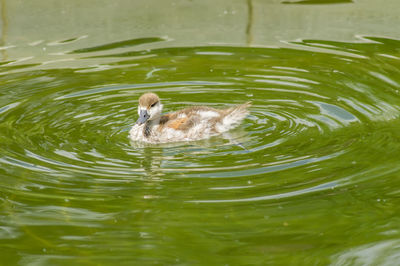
[[177, 123], [171, 120], [148, 99]]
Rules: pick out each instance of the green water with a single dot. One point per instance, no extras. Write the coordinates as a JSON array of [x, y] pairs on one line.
[[316, 184]]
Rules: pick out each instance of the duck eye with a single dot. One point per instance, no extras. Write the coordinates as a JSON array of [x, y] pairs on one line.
[[154, 104]]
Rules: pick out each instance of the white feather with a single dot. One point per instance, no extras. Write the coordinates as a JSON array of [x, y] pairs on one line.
[[208, 114]]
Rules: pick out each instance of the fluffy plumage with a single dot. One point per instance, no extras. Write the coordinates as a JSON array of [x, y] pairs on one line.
[[192, 123]]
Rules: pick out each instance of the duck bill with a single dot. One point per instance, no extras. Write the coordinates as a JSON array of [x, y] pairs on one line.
[[143, 117]]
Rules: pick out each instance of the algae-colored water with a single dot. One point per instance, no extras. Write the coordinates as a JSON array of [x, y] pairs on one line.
[[316, 183]]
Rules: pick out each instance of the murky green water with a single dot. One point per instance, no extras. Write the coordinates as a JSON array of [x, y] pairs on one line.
[[317, 184]]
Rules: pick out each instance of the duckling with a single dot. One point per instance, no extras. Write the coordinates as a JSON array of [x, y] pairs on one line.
[[188, 124]]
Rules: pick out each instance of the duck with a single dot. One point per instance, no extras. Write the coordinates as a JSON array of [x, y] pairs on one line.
[[188, 124]]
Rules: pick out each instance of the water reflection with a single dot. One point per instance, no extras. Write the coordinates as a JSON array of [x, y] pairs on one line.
[[307, 165], [4, 28], [250, 21], [317, 2]]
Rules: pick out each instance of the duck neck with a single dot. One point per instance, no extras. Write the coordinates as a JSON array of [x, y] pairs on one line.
[[149, 125], [147, 129], [154, 121]]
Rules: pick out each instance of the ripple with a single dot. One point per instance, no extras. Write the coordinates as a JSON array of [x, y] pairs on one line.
[[383, 253], [287, 107], [120, 44], [323, 122]]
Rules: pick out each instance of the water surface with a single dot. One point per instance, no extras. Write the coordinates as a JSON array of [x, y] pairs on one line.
[[315, 184]]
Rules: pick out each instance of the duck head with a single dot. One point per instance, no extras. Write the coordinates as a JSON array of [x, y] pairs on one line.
[[149, 108]]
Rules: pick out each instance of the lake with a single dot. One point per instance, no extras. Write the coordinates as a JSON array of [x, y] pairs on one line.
[[311, 176]]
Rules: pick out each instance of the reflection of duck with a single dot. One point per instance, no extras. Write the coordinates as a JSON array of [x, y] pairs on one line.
[[192, 123]]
